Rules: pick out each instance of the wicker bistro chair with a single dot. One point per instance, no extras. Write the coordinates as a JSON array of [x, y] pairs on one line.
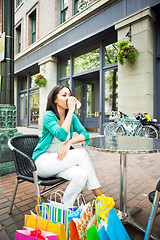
[[22, 147], [154, 198]]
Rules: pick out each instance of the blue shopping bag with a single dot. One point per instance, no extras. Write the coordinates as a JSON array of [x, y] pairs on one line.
[[115, 229], [103, 234]]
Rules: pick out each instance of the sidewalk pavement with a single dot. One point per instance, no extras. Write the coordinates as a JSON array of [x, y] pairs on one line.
[[142, 177]]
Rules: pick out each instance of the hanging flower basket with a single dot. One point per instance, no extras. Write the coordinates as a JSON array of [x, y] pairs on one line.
[[40, 80], [126, 51]]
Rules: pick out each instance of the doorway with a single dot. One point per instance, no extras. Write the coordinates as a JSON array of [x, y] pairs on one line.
[[87, 91]]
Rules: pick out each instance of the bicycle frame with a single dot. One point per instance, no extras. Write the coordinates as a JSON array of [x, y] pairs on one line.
[[130, 128]]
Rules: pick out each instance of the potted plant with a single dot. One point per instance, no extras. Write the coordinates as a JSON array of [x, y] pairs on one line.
[[40, 80], [126, 51]]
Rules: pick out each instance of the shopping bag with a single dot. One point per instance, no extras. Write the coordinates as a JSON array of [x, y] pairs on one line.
[[57, 228], [115, 228], [95, 228], [32, 234], [82, 220], [102, 234], [57, 212], [73, 233], [92, 233], [103, 206], [25, 234]]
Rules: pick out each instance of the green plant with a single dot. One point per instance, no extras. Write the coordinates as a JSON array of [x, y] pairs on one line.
[[40, 80], [126, 51]]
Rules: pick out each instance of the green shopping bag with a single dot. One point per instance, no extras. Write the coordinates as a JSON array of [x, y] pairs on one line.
[[92, 233]]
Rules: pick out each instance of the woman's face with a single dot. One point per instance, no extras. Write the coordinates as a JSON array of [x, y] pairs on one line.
[[62, 97]]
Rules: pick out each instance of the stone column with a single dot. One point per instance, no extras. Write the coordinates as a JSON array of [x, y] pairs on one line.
[[48, 67], [135, 83]]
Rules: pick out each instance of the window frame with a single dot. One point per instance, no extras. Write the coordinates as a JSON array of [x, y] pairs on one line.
[[62, 10], [26, 105], [74, 7], [19, 38], [18, 2], [33, 19], [75, 2]]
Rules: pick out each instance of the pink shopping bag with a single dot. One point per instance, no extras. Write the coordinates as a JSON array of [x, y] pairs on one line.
[[25, 234]]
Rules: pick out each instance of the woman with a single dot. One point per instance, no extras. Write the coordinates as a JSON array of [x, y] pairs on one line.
[[53, 156]]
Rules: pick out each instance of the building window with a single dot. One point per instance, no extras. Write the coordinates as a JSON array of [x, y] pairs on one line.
[[63, 10], [32, 17], [29, 102], [110, 54], [34, 107], [65, 83], [79, 5], [33, 103], [86, 61], [18, 2], [65, 66], [111, 92], [23, 101], [18, 30]]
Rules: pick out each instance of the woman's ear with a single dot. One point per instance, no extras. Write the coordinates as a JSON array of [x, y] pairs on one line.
[[55, 100]]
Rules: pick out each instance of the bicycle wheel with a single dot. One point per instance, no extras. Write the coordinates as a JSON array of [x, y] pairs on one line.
[[120, 131], [110, 129], [147, 131]]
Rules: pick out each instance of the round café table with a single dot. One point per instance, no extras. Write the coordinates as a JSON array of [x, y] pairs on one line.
[[124, 145]]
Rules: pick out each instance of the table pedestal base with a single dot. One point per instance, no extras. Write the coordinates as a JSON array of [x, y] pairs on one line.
[[130, 221]]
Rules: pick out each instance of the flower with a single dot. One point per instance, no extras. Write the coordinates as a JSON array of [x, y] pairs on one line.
[[40, 80], [125, 51]]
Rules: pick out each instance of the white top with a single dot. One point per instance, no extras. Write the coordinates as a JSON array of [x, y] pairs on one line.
[[56, 145]]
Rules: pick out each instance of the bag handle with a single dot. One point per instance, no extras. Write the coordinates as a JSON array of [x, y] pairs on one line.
[[37, 207], [57, 193], [78, 199], [100, 204], [35, 221], [60, 191]]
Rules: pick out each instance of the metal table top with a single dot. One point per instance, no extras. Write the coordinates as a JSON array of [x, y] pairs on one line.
[[127, 144]]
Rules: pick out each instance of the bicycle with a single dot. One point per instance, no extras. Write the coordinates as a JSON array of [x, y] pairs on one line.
[[150, 127], [137, 126]]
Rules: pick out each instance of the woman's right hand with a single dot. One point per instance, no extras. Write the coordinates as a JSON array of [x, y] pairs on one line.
[[71, 103]]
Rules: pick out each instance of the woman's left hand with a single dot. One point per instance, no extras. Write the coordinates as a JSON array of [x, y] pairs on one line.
[[62, 153]]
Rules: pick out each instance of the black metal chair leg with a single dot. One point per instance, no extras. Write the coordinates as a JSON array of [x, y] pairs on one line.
[[13, 196]]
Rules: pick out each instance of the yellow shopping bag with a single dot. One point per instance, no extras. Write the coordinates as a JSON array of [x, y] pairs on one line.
[[57, 228]]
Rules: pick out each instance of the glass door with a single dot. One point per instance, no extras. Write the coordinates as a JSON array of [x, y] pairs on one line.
[[91, 110], [23, 109], [79, 95]]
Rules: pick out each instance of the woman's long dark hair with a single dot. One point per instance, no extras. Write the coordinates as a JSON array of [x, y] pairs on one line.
[[51, 105]]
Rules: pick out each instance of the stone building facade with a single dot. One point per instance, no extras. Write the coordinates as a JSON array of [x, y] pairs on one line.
[[67, 41]]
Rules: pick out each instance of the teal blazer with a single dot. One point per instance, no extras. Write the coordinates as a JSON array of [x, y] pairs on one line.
[[51, 128]]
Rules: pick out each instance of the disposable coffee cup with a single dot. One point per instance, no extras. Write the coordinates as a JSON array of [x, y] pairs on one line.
[[77, 104]]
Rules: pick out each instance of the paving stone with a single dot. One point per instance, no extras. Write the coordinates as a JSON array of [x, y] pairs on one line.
[[1, 227], [140, 180], [4, 235], [13, 227]]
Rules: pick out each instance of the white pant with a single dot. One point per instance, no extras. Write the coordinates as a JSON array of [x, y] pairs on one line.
[[76, 167]]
